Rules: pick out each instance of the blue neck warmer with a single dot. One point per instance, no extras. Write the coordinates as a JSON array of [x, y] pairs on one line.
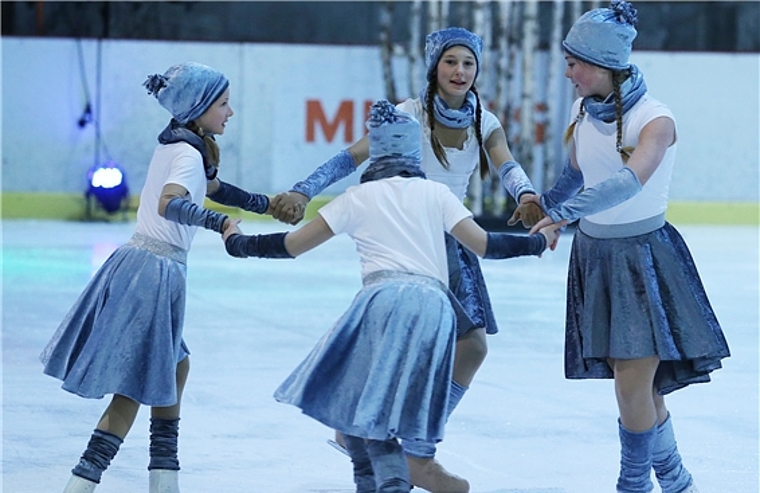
[[453, 118], [390, 166], [176, 132], [631, 90]]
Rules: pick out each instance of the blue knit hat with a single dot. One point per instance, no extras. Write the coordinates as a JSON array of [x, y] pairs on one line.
[[604, 36], [439, 41], [393, 132], [187, 90]]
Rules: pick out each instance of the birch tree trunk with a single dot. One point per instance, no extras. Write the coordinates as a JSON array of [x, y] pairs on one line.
[[527, 98], [414, 49], [386, 51], [552, 95], [481, 27]]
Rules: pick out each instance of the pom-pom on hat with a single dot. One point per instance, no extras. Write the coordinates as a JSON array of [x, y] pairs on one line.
[[604, 36], [187, 90], [393, 133], [439, 41]]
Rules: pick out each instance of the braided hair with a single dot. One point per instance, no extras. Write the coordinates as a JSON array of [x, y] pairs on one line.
[[435, 142], [212, 148], [618, 77]]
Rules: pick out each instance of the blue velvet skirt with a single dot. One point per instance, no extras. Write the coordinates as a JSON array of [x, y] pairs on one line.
[[638, 297], [124, 334], [469, 287], [384, 369]]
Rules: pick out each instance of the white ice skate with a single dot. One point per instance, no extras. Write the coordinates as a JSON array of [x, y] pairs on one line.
[[164, 481], [79, 485]]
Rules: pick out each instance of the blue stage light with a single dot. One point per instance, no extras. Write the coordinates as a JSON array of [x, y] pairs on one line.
[[108, 184]]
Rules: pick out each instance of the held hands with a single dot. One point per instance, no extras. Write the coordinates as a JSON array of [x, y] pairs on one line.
[[231, 228], [550, 230], [288, 207], [528, 211]]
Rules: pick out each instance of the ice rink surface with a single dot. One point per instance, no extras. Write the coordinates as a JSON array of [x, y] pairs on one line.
[[521, 428]]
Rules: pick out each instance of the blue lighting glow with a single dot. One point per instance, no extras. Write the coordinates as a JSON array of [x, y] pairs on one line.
[[108, 183]]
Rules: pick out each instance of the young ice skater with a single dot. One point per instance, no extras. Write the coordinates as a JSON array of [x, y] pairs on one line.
[[459, 138], [636, 308], [124, 334], [383, 372]]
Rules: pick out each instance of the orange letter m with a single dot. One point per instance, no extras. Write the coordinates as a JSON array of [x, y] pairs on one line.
[[316, 115]]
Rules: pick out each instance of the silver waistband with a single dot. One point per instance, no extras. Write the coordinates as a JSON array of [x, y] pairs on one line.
[[158, 247], [392, 275], [627, 230]]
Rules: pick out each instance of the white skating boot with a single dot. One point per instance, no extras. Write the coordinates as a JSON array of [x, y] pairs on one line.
[[79, 485], [164, 481]]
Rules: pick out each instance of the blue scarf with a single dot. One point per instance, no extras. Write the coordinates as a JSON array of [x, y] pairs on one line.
[[390, 166], [632, 89], [453, 118], [176, 132]]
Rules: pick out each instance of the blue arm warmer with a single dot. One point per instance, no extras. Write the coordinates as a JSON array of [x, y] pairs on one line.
[[236, 197], [183, 211], [515, 180], [336, 168], [613, 191], [505, 245], [569, 183], [262, 246]]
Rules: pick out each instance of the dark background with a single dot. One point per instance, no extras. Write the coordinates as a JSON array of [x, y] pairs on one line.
[[663, 26]]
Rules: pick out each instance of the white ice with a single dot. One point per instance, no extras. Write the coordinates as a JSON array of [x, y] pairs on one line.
[[521, 427]]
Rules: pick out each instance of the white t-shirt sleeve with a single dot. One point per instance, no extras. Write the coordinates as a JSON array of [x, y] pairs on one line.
[[452, 208], [338, 212], [184, 172]]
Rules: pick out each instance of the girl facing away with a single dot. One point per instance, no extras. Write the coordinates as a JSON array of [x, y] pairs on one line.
[[459, 137], [383, 372]]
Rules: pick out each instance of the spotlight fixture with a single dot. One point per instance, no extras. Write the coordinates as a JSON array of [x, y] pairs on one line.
[[108, 184]]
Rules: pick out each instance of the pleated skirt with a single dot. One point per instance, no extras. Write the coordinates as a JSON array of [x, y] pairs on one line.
[[124, 334], [384, 369], [638, 297]]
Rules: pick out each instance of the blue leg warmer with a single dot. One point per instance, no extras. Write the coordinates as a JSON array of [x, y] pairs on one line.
[[164, 434], [636, 460], [98, 455], [389, 464], [426, 449], [666, 461], [364, 476]]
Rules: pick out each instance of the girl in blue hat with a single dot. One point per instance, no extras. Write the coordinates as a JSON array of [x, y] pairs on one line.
[[636, 308], [124, 334], [459, 138], [383, 372]]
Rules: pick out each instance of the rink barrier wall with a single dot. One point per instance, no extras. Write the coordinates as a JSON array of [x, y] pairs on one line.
[[72, 207]]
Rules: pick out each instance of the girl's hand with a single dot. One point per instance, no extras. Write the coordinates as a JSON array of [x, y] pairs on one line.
[[552, 234], [546, 221], [528, 211], [231, 228], [288, 207]]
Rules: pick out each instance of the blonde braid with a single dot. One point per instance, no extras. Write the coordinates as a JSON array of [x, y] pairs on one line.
[[617, 80], [212, 148], [571, 129], [484, 170], [435, 143]]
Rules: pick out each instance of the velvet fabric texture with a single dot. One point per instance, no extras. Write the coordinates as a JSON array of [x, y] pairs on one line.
[[336, 168], [636, 460], [631, 90], [672, 476], [462, 117], [384, 370], [392, 133], [100, 451], [467, 283], [176, 132], [124, 333], [514, 179], [604, 36], [439, 41], [638, 297], [187, 90]]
